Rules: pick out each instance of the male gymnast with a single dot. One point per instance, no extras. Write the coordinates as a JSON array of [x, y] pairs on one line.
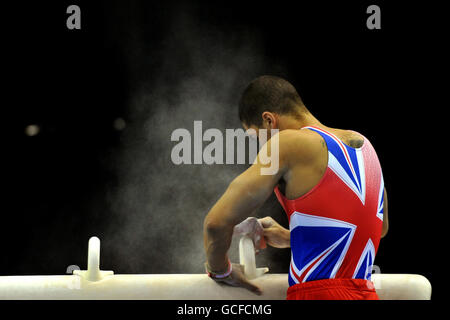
[[330, 185]]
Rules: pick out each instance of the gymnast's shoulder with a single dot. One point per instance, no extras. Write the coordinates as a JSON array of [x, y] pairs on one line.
[[297, 144]]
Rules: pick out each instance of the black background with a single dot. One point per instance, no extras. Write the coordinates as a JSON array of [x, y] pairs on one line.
[[74, 83]]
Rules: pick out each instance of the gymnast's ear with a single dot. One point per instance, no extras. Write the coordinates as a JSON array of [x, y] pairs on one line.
[[269, 120]]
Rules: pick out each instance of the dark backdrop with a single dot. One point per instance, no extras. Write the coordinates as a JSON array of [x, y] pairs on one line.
[[63, 183]]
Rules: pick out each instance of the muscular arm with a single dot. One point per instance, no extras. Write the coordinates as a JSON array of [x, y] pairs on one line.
[[244, 195], [385, 216]]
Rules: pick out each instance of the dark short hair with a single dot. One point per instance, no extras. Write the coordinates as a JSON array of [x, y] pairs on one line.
[[268, 93]]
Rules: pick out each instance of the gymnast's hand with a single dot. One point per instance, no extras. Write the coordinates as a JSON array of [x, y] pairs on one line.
[[274, 234], [237, 279]]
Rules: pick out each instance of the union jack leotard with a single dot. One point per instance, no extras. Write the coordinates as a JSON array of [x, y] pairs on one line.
[[336, 227]]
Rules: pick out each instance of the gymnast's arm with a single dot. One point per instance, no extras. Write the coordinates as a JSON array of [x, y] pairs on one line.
[[245, 194]]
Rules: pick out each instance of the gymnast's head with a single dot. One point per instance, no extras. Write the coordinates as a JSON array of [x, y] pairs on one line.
[[271, 102]]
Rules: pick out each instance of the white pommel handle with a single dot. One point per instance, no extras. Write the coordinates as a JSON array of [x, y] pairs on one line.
[[247, 259], [93, 272], [93, 269]]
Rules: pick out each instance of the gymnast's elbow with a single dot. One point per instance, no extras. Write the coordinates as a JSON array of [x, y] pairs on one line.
[[213, 226]]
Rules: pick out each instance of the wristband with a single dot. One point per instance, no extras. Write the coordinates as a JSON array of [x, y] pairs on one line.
[[219, 276]]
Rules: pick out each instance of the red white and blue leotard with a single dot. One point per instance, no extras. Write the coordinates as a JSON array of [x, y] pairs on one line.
[[336, 227]]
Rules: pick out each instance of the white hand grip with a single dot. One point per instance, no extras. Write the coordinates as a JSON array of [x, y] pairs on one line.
[[247, 259], [93, 272], [93, 269]]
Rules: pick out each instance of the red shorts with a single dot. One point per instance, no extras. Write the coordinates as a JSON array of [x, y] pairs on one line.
[[333, 289]]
